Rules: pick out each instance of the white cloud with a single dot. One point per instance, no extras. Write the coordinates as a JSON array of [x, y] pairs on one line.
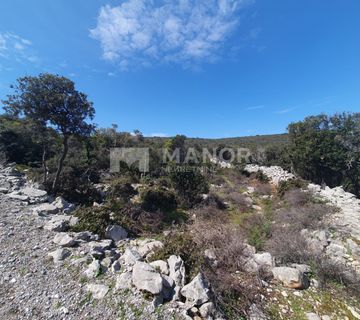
[[14, 47], [139, 33], [158, 134]]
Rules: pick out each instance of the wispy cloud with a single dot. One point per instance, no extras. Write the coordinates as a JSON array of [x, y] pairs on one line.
[[255, 107], [141, 33], [285, 110], [14, 47]]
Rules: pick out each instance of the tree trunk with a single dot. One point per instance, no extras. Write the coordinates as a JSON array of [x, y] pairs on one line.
[[60, 163], [44, 164]]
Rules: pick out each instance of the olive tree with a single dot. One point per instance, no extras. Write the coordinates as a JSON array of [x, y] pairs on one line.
[[52, 101]]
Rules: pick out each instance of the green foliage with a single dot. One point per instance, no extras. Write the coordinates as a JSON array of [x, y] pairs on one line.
[[326, 149], [189, 184], [261, 177], [51, 101], [288, 185], [18, 141], [158, 199], [181, 244], [121, 188], [94, 219]]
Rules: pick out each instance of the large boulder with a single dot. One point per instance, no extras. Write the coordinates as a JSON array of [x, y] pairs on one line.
[[290, 277], [146, 278], [177, 273], [116, 233], [196, 292], [160, 265]]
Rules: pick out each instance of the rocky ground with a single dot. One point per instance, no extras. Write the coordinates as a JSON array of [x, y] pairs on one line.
[[49, 272], [36, 285]]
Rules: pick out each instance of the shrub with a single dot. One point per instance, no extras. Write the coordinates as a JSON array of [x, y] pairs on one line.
[[330, 271], [257, 229], [213, 200], [297, 197], [189, 184], [121, 189], [234, 290], [261, 177], [158, 199], [182, 244], [136, 220], [76, 186], [287, 246], [288, 185], [94, 219], [304, 217], [263, 189]]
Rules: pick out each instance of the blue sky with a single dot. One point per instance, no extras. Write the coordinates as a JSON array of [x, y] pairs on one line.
[[205, 68]]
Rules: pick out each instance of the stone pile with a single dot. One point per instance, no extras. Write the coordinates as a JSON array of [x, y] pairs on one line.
[[275, 173]]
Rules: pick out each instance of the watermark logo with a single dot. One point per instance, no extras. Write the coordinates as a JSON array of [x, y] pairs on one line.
[[224, 158], [130, 156]]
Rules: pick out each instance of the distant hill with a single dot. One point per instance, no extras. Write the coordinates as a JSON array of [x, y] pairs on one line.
[[258, 140]]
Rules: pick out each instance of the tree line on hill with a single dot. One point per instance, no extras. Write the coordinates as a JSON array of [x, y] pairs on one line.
[[47, 128]]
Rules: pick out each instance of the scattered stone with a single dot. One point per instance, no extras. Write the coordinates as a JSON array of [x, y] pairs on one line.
[[207, 310], [59, 254], [124, 281], [116, 233], [64, 240], [58, 223], [98, 291], [130, 257], [93, 269], [312, 316], [196, 292], [177, 273], [264, 259], [45, 209], [161, 265], [116, 266], [149, 248], [146, 278], [291, 277]]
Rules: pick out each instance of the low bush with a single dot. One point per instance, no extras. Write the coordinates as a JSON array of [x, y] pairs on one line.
[[263, 189], [158, 199], [94, 219], [121, 189], [257, 229], [331, 271], [287, 246], [189, 184], [297, 197], [76, 186], [291, 184], [234, 289], [260, 176], [183, 245]]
